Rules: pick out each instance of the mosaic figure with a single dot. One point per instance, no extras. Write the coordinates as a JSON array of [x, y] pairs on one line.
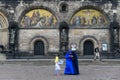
[[38, 15], [83, 21], [101, 19], [87, 17], [34, 18], [94, 20], [50, 20], [26, 21], [77, 20]]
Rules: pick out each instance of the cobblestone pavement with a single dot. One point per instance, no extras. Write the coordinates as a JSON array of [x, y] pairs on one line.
[[30, 71]]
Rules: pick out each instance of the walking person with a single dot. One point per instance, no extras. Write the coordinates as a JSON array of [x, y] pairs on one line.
[[57, 66], [97, 54]]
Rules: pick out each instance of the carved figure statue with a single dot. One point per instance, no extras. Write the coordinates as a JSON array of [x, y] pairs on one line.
[[12, 36], [63, 36]]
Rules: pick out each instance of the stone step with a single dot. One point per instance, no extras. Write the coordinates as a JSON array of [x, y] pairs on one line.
[[41, 62]]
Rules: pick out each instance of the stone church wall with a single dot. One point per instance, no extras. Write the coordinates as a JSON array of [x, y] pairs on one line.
[[51, 35]]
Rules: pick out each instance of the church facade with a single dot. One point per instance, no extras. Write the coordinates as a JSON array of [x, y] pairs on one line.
[[41, 27]]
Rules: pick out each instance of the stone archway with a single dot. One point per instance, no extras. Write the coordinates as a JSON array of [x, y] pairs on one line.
[[39, 41], [90, 39]]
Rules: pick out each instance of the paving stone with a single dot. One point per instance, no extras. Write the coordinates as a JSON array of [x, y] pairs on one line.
[[34, 71]]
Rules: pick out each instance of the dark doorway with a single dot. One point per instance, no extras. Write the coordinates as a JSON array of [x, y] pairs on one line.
[[39, 48], [88, 48]]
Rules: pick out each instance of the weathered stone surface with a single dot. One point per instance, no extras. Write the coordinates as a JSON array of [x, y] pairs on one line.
[[51, 37], [2, 57]]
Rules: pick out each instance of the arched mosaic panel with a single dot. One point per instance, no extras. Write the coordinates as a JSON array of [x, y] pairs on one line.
[[3, 21], [38, 18], [88, 17]]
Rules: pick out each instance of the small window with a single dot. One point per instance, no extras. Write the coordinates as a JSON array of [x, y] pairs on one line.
[[63, 7]]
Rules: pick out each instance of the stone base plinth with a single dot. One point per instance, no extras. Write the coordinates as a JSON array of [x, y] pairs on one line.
[[2, 57]]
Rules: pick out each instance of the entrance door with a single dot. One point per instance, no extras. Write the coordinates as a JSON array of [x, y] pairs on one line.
[[39, 48], [88, 48]]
